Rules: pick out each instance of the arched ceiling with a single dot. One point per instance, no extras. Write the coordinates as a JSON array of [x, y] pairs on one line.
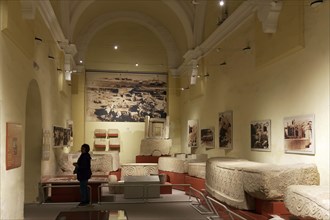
[[165, 35], [169, 21]]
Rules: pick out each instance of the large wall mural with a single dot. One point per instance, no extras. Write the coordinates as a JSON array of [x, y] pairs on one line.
[[125, 97]]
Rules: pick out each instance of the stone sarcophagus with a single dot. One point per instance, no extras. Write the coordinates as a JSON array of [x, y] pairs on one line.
[[308, 201], [237, 182]]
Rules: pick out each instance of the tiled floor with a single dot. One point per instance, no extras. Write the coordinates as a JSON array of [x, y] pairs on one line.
[[168, 207]]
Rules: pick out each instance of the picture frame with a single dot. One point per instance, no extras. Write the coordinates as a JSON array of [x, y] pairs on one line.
[[299, 134], [61, 136], [13, 145], [119, 97], [192, 133], [207, 137], [225, 122], [260, 133]]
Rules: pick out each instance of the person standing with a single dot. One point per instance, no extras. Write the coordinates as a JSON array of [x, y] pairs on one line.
[[84, 173]]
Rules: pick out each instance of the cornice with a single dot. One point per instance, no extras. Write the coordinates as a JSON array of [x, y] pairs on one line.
[[268, 12]]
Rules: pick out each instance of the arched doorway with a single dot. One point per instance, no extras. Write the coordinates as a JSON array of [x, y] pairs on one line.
[[33, 143]]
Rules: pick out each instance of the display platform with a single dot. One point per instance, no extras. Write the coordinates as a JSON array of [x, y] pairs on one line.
[[140, 187], [66, 189]]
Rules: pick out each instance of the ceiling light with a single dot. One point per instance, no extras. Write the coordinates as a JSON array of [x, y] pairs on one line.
[[38, 39], [136, 64], [221, 3], [80, 61], [115, 47], [315, 3], [246, 48]]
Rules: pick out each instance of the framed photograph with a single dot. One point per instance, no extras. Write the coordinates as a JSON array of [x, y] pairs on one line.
[[13, 145], [207, 137], [61, 136], [192, 133], [225, 130], [125, 97], [260, 135], [299, 134]]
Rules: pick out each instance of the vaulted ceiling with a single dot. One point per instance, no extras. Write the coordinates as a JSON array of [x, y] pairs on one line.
[[154, 33], [159, 35]]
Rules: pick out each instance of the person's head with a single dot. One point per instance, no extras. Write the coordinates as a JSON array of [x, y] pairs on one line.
[[85, 148]]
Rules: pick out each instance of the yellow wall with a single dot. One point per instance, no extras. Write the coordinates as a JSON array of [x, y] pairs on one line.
[[262, 84], [270, 82], [18, 52], [130, 133]]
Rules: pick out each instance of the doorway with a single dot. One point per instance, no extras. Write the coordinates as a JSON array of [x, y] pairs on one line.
[[33, 143]]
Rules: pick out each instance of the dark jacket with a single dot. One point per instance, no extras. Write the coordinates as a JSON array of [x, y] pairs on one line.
[[84, 171]]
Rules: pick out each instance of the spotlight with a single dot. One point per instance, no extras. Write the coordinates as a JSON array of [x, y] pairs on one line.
[[315, 3], [246, 48], [38, 39]]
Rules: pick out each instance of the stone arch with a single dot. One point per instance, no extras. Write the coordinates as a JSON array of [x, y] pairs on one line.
[[160, 31], [33, 143]]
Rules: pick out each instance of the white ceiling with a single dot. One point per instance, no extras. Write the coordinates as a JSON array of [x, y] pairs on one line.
[[155, 33], [160, 35]]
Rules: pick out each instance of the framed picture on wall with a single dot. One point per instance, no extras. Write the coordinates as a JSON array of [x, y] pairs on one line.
[[207, 137], [61, 136], [125, 97], [225, 130], [299, 134], [192, 133], [260, 135], [13, 145]]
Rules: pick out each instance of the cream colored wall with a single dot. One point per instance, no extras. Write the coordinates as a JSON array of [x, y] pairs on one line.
[[130, 133], [295, 82], [18, 51], [174, 112]]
